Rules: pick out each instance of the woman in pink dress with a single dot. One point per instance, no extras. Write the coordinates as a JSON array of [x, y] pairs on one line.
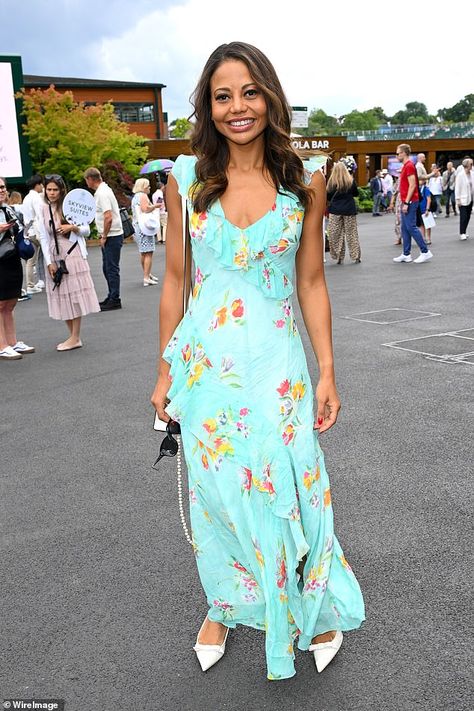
[[75, 296]]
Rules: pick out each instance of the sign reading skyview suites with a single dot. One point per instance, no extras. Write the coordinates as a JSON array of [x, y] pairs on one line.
[[79, 207], [299, 117], [10, 157]]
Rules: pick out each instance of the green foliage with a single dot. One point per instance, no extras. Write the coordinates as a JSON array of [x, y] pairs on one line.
[[364, 200], [462, 111], [320, 124], [115, 175], [180, 128], [414, 112], [361, 121], [67, 137]]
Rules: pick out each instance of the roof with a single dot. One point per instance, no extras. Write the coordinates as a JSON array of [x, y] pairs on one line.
[[33, 80]]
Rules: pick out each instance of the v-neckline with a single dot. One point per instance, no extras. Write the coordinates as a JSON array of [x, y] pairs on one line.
[[252, 224]]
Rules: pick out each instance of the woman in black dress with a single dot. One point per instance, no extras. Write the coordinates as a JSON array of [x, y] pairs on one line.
[[11, 278]]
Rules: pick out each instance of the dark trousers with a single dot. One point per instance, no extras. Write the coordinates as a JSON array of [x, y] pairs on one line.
[[464, 217], [409, 230], [111, 265], [450, 200]]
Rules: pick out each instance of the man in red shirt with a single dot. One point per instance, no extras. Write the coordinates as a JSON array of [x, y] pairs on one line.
[[410, 198]]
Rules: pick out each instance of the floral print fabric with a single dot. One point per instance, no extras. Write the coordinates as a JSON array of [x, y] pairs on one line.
[[259, 492]]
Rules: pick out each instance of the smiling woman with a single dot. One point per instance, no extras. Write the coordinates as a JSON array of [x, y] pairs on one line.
[[233, 372]]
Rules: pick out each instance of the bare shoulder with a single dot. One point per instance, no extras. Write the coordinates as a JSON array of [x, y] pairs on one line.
[[318, 181]]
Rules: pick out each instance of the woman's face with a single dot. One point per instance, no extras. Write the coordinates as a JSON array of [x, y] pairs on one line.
[[52, 192], [3, 191], [238, 107]]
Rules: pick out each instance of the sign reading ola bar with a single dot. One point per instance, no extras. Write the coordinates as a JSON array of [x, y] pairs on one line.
[[311, 143]]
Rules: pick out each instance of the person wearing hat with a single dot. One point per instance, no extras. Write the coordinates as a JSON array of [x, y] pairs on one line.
[[146, 222]]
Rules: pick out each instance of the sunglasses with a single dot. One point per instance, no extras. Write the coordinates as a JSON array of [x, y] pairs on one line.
[[169, 446], [55, 177]]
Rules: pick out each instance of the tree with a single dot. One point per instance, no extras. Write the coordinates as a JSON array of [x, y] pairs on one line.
[[320, 124], [414, 112], [461, 111], [181, 128], [380, 114], [67, 137], [360, 121]]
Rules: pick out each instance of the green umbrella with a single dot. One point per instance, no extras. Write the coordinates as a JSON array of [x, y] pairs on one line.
[[158, 165]]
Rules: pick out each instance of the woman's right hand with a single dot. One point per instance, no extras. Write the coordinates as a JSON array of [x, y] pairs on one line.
[[159, 397], [52, 269], [5, 226]]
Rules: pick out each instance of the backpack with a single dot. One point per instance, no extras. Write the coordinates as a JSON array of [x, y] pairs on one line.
[[127, 225]]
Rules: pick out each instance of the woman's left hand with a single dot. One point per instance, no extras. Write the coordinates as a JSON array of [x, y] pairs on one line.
[[66, 229], [329, 405]]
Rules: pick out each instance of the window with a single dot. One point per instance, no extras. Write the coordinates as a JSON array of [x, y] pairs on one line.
[[135, 112]]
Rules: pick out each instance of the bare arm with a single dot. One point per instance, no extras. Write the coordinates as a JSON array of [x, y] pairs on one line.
[[145, 204], [107, 223], [171, 303], [314, 302]]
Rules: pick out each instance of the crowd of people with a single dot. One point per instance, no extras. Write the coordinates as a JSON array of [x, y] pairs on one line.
[[417, 201], [59, 263], [414, 196]]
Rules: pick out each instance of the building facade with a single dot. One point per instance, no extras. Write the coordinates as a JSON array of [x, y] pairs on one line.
[[139, 105]]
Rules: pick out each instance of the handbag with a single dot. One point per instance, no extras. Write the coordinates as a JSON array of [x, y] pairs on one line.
[[62, 269], [8, 245], [127, 224], [25, 249], [7, 248]]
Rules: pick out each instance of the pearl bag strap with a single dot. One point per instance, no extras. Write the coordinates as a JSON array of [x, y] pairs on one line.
[[179, 461]]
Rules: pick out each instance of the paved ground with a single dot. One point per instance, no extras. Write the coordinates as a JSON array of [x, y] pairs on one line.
[[101, 599]]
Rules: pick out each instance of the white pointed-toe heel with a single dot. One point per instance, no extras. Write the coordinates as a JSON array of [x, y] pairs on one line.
[[326, 651], [209, 654]]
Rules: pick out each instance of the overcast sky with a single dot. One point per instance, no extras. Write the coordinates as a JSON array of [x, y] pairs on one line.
[[334, 55]]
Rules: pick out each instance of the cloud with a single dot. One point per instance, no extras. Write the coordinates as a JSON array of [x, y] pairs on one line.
[[337, 57], [355, 58]]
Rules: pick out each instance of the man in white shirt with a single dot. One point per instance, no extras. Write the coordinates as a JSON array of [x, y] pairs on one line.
[[387, 183], [159, 199], [32, 207], [109, 226]]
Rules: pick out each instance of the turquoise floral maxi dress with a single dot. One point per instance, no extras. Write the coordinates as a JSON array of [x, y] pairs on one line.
[[258, 488]]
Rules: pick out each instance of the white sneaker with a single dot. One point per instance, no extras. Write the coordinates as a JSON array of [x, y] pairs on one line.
[[21, 347], [149, 282], [403, 258], [424, 257], [9, 353], [40, 284], [463, 237], [154, 278], [33, 290]]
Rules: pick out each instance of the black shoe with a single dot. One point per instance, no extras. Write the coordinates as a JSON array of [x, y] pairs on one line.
[[105, 301], [111, 304]]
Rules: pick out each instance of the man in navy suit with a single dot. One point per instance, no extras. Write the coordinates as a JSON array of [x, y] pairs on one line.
[[376, 186]]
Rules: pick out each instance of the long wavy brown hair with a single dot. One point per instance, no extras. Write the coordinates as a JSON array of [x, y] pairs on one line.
[[280, 160]]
